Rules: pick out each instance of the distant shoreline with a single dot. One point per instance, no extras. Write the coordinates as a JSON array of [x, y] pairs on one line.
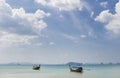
[[69, 63]]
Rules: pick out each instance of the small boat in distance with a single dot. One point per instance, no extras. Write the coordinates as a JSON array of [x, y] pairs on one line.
[[36, 67], [76, 69]]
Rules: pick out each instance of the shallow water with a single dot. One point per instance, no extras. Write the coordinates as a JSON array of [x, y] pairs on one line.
[[60, 71]]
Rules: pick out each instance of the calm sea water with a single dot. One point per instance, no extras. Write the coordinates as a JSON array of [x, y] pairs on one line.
[[60, 71]]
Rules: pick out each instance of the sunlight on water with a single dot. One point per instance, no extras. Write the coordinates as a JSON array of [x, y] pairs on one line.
[[59, 72]]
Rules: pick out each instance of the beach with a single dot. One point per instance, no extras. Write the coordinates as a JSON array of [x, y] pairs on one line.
[[60, 71]]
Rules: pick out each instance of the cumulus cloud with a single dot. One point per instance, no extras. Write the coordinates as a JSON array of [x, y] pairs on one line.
[[12, 39], [19, 19], [18, 24], [30, 20], [104, 17], [66, 5], [111, 21]]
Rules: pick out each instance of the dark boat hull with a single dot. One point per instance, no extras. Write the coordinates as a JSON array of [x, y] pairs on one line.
[[36, 67], [78, 69]]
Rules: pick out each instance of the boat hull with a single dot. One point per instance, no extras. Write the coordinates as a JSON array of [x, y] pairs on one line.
[[36, 67], [78, 69]]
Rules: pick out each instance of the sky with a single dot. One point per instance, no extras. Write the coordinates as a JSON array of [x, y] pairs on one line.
[[59, 31]]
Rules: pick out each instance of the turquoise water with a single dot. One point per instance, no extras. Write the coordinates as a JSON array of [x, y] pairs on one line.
[[60, 71]]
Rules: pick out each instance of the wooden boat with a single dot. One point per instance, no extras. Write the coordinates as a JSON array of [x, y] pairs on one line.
[[36, 67], [75, 69]]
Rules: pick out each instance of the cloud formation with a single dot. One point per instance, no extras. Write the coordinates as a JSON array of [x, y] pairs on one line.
[[75, 39], [66, 5], [30, 20], [111, 21], [16, 25], [10, 39], [104, 4]]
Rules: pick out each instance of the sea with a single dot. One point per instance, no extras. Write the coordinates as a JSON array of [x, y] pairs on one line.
[[59, 71]]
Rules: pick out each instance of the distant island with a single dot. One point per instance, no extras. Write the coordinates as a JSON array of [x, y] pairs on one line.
[[74, 63], [69, 63]]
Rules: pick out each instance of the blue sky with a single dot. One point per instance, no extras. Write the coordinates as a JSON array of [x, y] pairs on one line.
[[59, 31]]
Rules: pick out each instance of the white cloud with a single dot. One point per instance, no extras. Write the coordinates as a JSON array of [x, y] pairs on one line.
[[104, 4], [10, 39], [75, 39], [83, 36], [104, 17], [70, 37], [19, 19], [35, 21], [112, 21], [4, 8], [66, 5], [92, 14], [17, 26], [51, 43]]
